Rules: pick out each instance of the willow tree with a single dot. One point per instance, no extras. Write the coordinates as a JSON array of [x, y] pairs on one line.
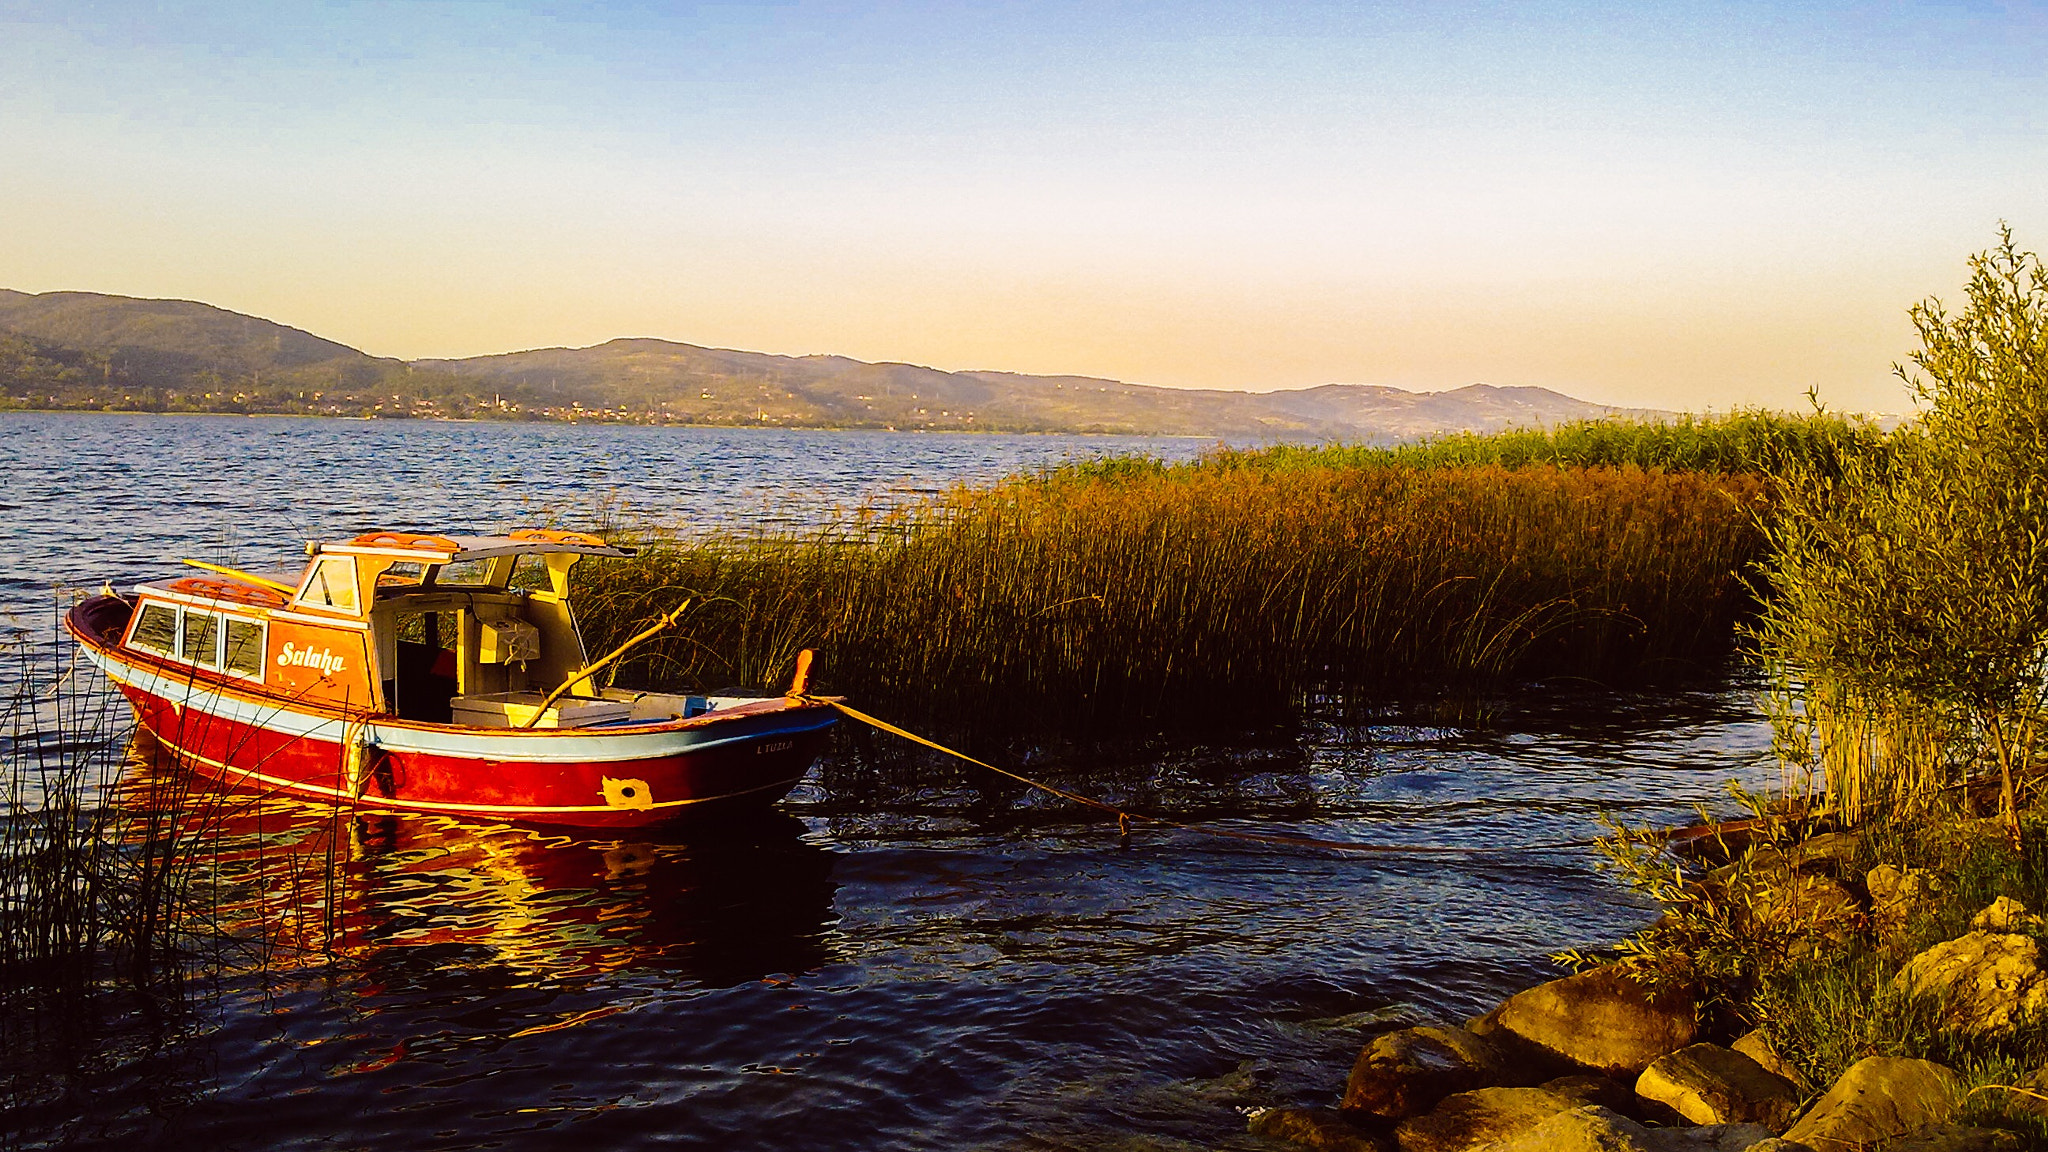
[[1910, 585]]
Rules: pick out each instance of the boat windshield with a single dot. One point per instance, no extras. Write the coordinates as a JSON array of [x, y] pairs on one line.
[[402, 574]]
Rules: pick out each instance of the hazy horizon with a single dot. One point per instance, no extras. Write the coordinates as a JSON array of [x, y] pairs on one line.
[[770, 352], [1687, 209]]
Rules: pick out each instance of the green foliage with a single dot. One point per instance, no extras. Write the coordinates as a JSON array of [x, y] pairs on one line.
[[1826, 1017], [1722, 930], [1910, 586]]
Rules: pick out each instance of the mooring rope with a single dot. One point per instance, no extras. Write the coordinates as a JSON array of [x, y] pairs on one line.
[[1127, 818]]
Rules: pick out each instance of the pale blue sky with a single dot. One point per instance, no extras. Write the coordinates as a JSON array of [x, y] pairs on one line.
[[1679, 206]]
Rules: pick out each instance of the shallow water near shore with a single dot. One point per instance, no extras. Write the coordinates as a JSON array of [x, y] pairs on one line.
[[902, 955]]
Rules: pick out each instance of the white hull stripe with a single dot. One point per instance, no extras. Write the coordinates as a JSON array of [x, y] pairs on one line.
[[537, 746], [245, 777]]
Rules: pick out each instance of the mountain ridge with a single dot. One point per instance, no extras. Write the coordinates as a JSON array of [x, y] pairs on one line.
[[86, 349]]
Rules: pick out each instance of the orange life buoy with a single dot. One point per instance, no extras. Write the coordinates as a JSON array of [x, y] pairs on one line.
[[406, 540], [214, 589], [558, 536]]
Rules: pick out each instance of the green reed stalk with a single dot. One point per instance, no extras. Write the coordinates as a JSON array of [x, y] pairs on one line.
[[98, 860], [1746, 441], [53, 843]]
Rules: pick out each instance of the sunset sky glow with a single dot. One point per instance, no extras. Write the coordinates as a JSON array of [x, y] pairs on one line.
[[1677, 206]]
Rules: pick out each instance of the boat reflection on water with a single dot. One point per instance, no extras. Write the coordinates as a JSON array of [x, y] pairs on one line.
[[399, 895]]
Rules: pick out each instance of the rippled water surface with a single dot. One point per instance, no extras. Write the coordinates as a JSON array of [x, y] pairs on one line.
[[902, 956], [121, 496]]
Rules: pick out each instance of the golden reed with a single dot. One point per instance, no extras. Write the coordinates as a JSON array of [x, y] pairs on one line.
[[1096, 591]]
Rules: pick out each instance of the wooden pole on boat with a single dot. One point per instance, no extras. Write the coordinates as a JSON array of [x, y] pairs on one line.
[[592, 667], [238, 574], [800, 683]]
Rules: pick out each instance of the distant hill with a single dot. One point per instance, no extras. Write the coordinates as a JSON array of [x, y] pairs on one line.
[[87, 350], [715, 385], [168, 343]]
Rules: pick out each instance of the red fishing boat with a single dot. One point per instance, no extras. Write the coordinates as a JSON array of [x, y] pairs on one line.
[[438, 674]]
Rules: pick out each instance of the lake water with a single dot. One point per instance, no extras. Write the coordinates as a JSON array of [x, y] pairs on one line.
[[904, 956], [122, 497]]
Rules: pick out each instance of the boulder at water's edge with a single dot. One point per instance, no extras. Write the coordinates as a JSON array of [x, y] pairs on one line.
[[1879, 1097], [1709, 1084], [1600, 1020], [1405, 1073], [1469, 1120], [1322, 1129]]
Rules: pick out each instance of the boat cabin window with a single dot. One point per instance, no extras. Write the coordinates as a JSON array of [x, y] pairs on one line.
[[156, 628], [244, 644], [402, 573], [199, 642], [331, 584], [434, 630], [530, 571], [467, 573], [220, 640]]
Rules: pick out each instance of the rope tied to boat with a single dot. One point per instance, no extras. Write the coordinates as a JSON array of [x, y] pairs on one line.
[[1125, 818]]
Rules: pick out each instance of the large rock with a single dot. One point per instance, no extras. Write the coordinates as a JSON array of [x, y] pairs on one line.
[[1956, 1138], [1590, 1089], [1405, 1073], [1759, 1048], [1989, 982], [1878, 1098], [1831, 849], [1590, 1129], [1897, 895], [1600, 1020], [1597, 1129], [2004, 914], [1709, 1084], [1467, 1120], [2032, 1097], [1811, 908], [1320, 1128]]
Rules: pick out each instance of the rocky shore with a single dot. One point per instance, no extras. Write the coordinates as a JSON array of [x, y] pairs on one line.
[[1615, 1059]]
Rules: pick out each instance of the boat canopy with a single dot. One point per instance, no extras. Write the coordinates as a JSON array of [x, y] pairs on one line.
[[437, 549]]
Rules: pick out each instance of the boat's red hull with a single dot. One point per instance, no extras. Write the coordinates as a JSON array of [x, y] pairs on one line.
[[625, 776]]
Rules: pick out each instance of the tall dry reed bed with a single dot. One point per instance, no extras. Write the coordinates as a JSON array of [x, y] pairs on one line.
[[1088, 594]]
